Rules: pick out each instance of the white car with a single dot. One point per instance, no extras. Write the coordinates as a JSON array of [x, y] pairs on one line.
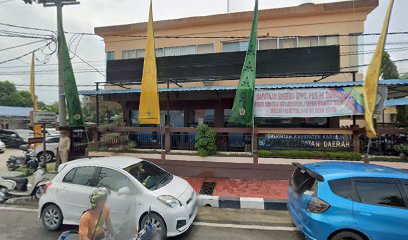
[[2, 147], [136, 185], [51, 146]]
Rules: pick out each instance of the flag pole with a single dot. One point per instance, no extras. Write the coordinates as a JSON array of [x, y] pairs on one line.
[[366, 159]]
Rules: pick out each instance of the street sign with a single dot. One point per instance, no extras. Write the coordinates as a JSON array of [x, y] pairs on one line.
[[35, 140], [43, 117]]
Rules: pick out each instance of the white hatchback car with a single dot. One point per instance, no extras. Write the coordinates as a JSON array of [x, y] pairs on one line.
[[2, 147], [136, 185]]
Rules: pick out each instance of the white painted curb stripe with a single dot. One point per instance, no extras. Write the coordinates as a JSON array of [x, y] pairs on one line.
[[249, 227], [19, 209]]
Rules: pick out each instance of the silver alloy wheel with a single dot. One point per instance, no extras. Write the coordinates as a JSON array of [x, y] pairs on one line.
[[51, 218]]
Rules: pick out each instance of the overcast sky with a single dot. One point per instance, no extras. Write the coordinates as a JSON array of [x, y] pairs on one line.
[[92, 13]]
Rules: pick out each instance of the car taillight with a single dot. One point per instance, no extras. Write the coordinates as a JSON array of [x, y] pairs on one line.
[[317, 205], [47, 185]]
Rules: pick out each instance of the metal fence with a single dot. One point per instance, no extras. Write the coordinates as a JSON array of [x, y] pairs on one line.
[[147, 140]]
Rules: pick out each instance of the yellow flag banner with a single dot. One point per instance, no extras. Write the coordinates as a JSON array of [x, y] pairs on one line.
[[373, 74], [36, 128], [149, 106]]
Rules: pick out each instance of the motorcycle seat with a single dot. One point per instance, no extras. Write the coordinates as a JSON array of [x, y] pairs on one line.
[[18, 180]]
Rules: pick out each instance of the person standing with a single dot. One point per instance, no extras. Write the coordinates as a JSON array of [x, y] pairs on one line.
[[64, 147]]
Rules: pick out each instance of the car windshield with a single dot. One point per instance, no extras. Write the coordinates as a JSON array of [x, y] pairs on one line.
[[148, 174]]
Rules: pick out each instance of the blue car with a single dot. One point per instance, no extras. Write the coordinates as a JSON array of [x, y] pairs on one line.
[[349, 201]]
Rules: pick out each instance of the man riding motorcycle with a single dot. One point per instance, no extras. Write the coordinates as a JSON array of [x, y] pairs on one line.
[[95, 223]]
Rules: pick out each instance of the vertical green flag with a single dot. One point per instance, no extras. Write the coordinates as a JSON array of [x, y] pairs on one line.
[[70, 87], [242, 110]]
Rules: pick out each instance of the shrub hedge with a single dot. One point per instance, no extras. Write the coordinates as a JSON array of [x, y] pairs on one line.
[[309, 154]]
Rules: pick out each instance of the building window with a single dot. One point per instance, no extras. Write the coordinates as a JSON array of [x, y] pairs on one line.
[[328, 40], [129, 54], [205, 48], [287, 43], [110, 55], [308, 41], [235, 46], [268, 44]]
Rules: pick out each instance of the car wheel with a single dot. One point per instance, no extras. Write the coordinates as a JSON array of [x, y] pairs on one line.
[[52, 217], [347, 235], [157, 221], [49, 156]]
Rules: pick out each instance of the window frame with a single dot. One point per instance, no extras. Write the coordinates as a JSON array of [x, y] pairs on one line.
[[373, 180], [93, 178], [132, 188]]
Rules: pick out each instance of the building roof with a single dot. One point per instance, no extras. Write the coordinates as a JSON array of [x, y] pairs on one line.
[[6, 111], [296, 11], [396, 102], [396, 88]]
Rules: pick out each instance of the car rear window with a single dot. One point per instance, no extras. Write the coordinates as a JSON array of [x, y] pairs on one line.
[[301, 181], [342, 187], [379, 193]]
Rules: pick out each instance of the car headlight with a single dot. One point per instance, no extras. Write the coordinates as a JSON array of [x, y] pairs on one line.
[[169, 201]]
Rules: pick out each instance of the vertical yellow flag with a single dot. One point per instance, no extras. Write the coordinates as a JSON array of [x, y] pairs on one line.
[[149, 106], [373, 75], [36, 128]]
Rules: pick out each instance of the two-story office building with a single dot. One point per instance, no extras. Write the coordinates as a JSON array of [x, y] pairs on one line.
[[200, 59]]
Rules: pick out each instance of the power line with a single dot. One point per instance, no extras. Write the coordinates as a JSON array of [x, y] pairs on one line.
[[5, 1], [21, 56], [21, 45]]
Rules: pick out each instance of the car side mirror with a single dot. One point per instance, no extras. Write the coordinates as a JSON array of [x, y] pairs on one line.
[[124, 191]]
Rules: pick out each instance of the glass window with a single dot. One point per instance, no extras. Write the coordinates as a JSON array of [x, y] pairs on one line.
[[172, 51], [379, 193], [205, 48], [287, 42], [342, 187], [112, 180], [110, 55], [53, 140], [70, 175], [235, 46], [308, 41], [301, 181], [83, 176], [159, 52], [328, 40], [149, 175], [268, 44], [200, 116], [176, 117], [139, 53]]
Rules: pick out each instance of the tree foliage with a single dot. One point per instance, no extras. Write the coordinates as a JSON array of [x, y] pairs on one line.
[[108, 111], [388, 68], [205, 141], [10, 96]]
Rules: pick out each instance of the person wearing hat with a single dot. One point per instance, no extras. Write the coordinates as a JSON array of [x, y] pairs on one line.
[[96, 223]]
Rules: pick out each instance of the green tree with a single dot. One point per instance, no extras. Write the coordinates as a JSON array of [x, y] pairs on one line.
[[108, 111], [388, 68], [10, 96], [205, 141]]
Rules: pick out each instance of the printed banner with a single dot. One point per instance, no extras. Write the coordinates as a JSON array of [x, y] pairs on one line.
[[332, 142], [313, 102]]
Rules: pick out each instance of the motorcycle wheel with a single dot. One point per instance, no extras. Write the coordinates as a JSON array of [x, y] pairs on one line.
[[38, 193], [3, 196]]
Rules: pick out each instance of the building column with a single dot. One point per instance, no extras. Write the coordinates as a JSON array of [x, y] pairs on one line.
[[219, 115]]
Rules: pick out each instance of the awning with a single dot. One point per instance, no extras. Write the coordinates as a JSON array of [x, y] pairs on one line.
[[396, 102], [396, 88]]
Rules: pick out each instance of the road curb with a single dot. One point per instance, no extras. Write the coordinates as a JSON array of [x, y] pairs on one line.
[[241, 203]]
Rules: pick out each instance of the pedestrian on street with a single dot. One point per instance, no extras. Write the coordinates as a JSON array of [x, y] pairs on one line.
[[64, 147]]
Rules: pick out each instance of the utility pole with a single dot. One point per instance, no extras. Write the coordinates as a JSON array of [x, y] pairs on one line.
[[228, 6], [61, 93]]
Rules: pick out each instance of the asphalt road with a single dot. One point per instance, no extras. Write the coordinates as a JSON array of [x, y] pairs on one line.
[[21, 223]]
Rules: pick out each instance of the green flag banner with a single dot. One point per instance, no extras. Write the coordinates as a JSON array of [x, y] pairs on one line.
[[70, 88], [242, 110]]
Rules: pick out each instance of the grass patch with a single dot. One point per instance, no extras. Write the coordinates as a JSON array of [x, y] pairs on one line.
[[309, 154]]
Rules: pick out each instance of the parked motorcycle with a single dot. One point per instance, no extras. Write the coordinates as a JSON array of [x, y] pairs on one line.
[[17, 187], [28, 160]]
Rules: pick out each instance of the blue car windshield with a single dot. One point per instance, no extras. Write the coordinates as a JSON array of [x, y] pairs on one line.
[[149, 175]]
